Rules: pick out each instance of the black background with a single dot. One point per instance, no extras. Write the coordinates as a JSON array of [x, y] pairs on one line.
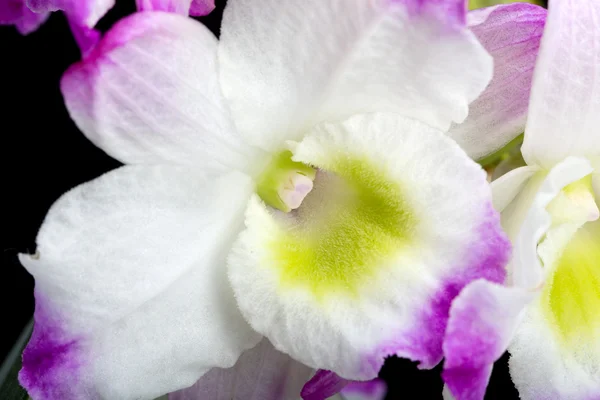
[[44, 155]]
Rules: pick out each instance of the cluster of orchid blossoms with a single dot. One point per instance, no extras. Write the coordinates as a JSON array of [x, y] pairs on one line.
[[301, 199]]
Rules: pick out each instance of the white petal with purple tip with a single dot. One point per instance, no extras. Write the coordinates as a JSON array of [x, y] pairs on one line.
[[132, 295], [149, 93]]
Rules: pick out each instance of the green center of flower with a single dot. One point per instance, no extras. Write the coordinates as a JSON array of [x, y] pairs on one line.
[[354, 221], [285, 183]]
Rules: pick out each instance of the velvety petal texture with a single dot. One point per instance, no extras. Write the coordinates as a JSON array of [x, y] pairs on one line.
[[132, 299], [282, 73], [564, 111], [83, 12], [398, 222], [149, 94], [16, 12], [184, 7], [261, 373], [511, 34]]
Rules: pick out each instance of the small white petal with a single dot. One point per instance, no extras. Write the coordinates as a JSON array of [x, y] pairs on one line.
[[508, 186]]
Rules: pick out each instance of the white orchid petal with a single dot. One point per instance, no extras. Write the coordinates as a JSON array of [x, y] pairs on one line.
[[564, 112], [132, 299], [508, 186], [399, 220], [560, 331], [300, 63], [149, 94], [527, 271]]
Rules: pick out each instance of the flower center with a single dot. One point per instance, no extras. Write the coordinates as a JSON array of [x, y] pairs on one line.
[[285, 183], [354, 222]]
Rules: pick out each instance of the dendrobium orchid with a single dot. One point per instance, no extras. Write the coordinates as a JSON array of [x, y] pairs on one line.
[[549, 316], [290, 185]]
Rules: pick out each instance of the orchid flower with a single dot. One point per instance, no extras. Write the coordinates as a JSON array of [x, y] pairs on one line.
[[549, 316], [290, 183]]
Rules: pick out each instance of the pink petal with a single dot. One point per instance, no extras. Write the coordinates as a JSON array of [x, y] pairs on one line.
[[261, 373], [482, 321], [183, 7], [511, 34], [199, 8], [82, 12], [86, 38], [15, 12]]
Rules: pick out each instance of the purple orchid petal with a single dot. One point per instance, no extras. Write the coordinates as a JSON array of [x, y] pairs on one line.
[[511, 34], [82, 12], [16, 12], [184, 7], [323, 385], [86, 38], [482, 322], [103, 330], [375, 389], [199, 8], [50, 355]]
